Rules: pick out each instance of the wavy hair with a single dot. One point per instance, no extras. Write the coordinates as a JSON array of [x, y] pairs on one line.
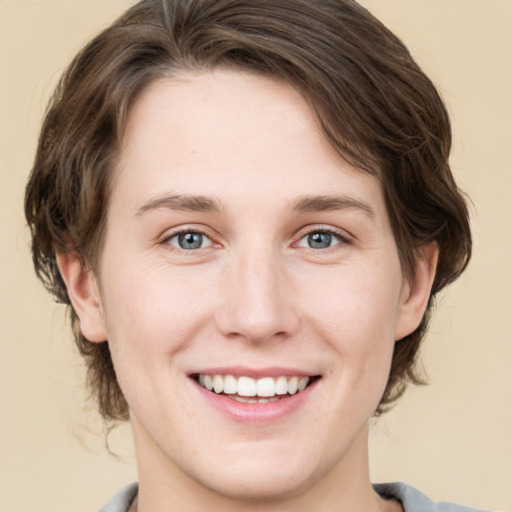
[[373, 103]]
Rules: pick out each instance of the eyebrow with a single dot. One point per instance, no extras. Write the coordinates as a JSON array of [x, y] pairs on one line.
[[304, 204], [311, 204], [196, 203]]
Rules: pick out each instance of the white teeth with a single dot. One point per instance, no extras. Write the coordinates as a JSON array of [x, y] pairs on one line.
[[293, 383], [218, 383], [208, 382], [281, 386], [230, 385], [265, 388], [303, 382], [246, 386], [246, 400]]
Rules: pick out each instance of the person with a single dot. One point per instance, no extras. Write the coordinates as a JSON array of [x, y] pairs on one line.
[[249, 209]]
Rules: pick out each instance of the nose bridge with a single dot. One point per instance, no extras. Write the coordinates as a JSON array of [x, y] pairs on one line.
[[259, 301]]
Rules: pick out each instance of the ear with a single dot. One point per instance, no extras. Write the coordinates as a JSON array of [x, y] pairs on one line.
[[416, 292], [83, 291]]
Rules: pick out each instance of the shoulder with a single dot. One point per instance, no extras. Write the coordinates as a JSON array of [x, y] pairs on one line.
[[122, 500], [414, 501]]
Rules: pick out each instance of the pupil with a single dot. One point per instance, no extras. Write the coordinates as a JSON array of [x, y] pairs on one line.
[[190, 240], [319, 240]]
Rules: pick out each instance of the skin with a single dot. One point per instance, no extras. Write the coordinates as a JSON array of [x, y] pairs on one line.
[[256, 294]]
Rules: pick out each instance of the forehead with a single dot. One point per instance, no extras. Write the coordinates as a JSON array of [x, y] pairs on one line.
[[220, 131]]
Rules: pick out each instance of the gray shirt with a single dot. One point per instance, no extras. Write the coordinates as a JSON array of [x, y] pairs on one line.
[[411, 499]]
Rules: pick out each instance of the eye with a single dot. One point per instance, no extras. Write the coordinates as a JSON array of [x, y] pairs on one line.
[[189, 240], [320, 239]]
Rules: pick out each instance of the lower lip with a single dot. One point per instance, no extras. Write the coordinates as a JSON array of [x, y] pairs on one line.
[[257, 413]]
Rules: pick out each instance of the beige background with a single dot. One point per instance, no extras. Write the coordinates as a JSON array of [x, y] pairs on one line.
[[452, 439]]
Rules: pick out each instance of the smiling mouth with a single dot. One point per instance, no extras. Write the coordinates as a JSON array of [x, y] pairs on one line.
[[248, 390]]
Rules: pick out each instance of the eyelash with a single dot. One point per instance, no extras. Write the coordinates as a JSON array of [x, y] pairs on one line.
[[341, 236], [167, 239]]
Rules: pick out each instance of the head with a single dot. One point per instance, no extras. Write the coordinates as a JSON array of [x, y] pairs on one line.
[[375, 109]]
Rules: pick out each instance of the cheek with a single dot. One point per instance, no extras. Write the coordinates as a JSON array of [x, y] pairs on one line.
[[359, 304], [155, 309], [356, 315], [151, 319]]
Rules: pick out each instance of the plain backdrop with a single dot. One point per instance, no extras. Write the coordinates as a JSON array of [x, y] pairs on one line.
[[451, 439]]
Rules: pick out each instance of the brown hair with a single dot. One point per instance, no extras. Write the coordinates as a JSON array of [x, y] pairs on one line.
[[374, 104]]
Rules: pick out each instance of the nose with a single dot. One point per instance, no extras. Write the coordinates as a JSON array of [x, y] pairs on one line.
[[258, 299]]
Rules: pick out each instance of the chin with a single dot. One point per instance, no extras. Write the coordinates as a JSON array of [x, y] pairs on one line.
[[277, 473], [273, 486]]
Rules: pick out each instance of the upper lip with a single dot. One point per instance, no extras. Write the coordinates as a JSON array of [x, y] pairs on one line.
[[255, 373]]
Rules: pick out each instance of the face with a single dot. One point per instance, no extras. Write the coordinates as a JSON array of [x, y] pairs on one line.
[[242, 254]]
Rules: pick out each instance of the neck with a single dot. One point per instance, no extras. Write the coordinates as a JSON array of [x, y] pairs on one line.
[[164, 487]]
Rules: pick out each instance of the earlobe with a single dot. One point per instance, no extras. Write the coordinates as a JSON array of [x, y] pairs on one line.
[[416, 292], [84, 294]]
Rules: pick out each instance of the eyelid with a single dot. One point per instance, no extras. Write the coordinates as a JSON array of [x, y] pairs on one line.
[[342, 235], [174, 232], [206, 241]]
